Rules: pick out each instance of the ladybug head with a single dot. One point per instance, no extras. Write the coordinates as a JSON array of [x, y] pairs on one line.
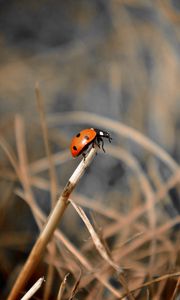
[[103, 134]]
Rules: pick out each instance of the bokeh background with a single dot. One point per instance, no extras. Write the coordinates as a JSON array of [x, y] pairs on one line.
[[115, 59]]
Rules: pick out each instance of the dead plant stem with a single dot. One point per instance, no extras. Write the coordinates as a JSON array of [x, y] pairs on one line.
[[52, 222]]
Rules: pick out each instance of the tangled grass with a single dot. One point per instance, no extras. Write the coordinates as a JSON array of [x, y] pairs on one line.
[[133, 245]]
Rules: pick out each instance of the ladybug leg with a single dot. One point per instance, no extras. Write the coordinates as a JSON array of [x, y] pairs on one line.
[[84, 155], [100, 143], [96, 142]]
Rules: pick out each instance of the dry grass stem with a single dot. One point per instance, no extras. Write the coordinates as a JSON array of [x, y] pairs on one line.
[[62, 287], [137, 235], [176, 289], [54, 219], [33, 289], [53, 181], [97, 241], [143, 208], [75, 288], [72, 249], [42, 164], [164, 277], [52, 173], [50, 271], [100, 247]]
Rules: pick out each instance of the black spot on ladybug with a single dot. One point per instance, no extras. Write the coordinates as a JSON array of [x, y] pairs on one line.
[[86, 137], [75, 148], [78, 135]]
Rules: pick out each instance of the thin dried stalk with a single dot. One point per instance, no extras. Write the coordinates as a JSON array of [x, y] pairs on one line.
[[33, 289], [53, 180], [148, 237], [164, 277], [62, 287], [50, 226], [50, 271], [37, 212], [52, 172], [142, 209], [101, 248], [176, 289], [42, 164], [97, 241], [75, 288]]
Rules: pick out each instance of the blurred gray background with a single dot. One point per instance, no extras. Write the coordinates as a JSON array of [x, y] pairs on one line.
[[116, 58]]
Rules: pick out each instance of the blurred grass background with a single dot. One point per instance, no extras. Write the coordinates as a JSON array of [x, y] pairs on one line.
[[115, 59]]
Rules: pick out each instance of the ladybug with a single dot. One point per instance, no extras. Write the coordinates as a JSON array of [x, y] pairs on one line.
[[81, 142]]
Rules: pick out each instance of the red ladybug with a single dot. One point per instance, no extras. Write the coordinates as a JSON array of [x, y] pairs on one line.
[[81, 142]]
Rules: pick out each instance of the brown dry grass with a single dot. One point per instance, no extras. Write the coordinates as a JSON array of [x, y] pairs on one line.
[[142, 244]]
